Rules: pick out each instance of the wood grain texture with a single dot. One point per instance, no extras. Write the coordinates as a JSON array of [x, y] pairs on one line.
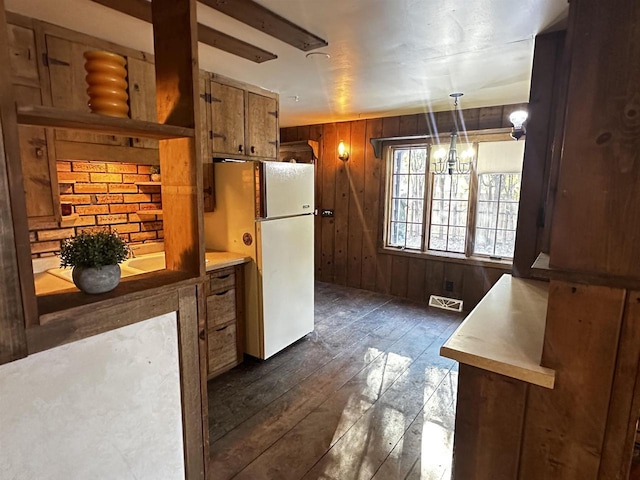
[[546, 79], [141, 78], [189, 357], [597, 210], [260, 18], [106, 153], [565, 427], [15, 294], [177, 104], [350, 253], [623, 409], [488, 428], [141, 10], [262, 126], [227, 119]]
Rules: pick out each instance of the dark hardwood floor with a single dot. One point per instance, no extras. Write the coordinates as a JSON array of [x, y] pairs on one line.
[[365, 396]]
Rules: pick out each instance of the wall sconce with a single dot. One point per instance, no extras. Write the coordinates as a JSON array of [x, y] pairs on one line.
[[518, 118], [343, 153]]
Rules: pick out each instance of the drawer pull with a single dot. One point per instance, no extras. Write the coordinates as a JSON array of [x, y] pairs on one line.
[[222, 293], [201, 335], [222, 328], [222, 277]]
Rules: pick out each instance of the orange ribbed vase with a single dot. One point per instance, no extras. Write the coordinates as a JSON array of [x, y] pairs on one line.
[[107, 80]]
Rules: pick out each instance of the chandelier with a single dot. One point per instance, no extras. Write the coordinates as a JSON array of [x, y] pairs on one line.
[[450, 162]]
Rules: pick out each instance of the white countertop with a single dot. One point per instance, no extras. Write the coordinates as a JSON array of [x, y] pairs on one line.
[[505, 332], [46, 282]]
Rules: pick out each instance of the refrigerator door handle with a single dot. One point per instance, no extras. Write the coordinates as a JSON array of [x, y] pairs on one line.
[[306, 205]]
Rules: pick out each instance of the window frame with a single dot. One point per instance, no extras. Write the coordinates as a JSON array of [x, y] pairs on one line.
[[429, 142]]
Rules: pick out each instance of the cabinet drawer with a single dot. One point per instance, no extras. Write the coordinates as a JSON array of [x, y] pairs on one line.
[[223, 349], [221, 307], [222, 280]]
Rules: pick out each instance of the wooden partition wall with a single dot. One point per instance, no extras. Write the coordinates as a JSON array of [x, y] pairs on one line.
[[348, 244]]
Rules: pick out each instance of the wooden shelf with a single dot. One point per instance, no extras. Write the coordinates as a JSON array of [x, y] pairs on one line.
[[148, 183], [504, 334], [67, 182], [66, 119], [149, 212], [541, 269]]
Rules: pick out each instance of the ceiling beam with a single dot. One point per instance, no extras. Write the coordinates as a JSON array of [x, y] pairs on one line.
[[141, 9], [260, 18]]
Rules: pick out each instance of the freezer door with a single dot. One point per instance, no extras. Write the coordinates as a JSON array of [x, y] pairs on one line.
[[289, 188], [286, 269]]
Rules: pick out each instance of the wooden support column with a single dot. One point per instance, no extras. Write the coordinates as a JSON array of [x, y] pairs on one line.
[[17, 295], [176, 62], [545, 100]]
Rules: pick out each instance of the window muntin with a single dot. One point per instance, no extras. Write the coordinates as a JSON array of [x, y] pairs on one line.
[[406, 209], [497, 214], [430, 212], [449, 212]]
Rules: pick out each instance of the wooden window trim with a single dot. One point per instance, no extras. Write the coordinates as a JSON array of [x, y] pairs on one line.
[[468, 257]]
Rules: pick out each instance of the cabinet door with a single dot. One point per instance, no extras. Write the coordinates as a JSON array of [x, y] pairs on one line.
[[69, 87], [142, 96], [208, 182], [262, 126], [22, 55], [39, 177], [227, 119]]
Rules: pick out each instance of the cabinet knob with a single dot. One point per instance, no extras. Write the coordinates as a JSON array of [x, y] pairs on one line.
[[239, 148], [39, 152], [253, 149]]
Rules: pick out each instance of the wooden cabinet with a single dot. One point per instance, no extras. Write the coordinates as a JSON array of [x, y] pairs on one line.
[[244, 120], [262, 126], [65, 60], [227, 119], [225, 324], [22, 55]]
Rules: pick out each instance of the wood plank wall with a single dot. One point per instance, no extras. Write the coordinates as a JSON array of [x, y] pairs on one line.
[[347, 245]]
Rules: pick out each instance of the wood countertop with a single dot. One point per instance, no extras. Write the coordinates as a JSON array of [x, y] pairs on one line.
[[504, 334], [218, 260]]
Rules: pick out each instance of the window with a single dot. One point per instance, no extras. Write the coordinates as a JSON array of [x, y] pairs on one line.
[[461, 214]]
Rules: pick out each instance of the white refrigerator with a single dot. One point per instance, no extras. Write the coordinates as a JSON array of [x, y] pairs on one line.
[[264, 210]]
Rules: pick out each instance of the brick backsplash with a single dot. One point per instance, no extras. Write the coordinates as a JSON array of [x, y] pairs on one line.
[[104, 195]]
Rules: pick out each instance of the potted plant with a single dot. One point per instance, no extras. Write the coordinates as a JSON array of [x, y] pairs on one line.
[[95, 258], [155, 173]]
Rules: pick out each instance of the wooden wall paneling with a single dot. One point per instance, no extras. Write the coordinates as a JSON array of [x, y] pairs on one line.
[[177, 74], [303, 132], [355, 169], [489, 418], [416, 279], [491, 117], [597, 213], [343, 197], [328, 160], [142, 96], [400, 276], [470, 119], [289, 134], [17, 299], [315, 133], [390, 128], [444, 123], [208, 174], [408, 125], [538, 150], [454, 273], [622, 419], [190, 384], [565, 427], [373, 170], [434, 279]]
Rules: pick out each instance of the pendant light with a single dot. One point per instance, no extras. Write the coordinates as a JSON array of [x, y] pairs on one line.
[[450, 162]]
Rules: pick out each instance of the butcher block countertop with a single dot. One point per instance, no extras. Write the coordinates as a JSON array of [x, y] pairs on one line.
[[504, 334]]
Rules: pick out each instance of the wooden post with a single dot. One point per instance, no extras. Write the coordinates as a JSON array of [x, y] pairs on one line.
[[17, 295]]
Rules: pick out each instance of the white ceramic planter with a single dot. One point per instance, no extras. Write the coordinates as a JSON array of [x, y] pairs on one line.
[[96, 280]]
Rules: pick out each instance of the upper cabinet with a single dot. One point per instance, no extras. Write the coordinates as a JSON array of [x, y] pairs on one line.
[[262, 126], [23, 57], [65, 60], [244, 120]]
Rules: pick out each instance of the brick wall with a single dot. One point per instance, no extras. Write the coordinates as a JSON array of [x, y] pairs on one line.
[[102, 195]]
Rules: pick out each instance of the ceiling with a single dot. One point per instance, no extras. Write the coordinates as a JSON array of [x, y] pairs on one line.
[[388, 57]]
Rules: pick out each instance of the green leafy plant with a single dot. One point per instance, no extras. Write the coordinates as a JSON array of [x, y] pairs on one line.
[[93, 250], [154, 170]]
